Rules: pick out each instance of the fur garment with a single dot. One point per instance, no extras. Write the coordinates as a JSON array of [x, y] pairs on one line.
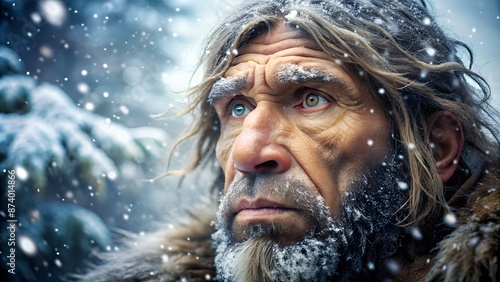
[[468, 251]]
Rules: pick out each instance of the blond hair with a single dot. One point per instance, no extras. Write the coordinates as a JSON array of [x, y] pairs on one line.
[[410, 65]]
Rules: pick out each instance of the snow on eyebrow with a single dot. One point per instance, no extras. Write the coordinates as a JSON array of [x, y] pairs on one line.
[[292, 73], [225, 86]]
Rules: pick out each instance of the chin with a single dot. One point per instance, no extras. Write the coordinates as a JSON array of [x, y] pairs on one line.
[[282, 228]]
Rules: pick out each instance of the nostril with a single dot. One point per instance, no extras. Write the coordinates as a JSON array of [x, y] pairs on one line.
[[266, 166], [250, 154]]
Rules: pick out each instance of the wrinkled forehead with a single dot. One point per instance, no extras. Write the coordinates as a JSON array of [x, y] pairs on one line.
[[273, 31], [290, 56], [277, 38]]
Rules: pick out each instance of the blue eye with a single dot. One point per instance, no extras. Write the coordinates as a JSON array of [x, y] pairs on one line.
[[312, 100], [239, 110]]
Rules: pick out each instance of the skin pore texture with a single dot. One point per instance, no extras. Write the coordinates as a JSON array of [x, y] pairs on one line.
[[305, 149], [325, 145]]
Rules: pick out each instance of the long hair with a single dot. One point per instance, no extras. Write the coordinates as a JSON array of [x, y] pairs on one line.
[[410, 65]]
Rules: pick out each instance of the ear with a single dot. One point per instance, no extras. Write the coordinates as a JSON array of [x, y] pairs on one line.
[[447, 140]]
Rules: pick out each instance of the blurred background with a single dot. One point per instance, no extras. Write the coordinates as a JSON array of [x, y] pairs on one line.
[[81, 86]]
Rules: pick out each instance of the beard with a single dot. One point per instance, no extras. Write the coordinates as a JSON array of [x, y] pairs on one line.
[[348, 247]]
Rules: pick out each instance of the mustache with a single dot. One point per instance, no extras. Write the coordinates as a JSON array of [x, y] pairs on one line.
[[252, 184]]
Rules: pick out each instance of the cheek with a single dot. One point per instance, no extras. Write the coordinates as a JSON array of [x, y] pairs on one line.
[[224, 147], [222, 153], [350, 148]]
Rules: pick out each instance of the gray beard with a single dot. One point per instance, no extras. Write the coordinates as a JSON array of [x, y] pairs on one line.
[[335, 249]]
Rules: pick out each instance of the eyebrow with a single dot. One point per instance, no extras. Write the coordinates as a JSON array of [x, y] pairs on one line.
[[286, 74], [226, 86], [295, 74]]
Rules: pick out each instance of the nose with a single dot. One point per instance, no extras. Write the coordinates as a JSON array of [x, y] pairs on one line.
[[259, 147]]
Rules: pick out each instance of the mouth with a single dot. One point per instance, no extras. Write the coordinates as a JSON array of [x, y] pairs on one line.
[[258, 210]]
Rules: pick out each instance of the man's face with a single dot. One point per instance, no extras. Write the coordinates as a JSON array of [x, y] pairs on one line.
[[291, 113]]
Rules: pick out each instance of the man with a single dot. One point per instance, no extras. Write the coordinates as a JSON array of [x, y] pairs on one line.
[[353, 145]]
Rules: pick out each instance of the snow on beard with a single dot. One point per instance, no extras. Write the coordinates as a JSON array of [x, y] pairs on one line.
[[332, 248]]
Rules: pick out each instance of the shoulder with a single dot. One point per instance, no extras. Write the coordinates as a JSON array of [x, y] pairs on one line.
[[470, 252], [181, 252]]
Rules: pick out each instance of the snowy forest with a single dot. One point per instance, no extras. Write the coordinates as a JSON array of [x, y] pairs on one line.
[[88, 95]]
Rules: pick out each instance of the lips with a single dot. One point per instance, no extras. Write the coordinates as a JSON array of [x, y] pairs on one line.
[[258, 207]]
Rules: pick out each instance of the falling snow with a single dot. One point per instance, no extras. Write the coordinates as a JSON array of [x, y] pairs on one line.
[[450, 219], [27, 246], [77, 92]]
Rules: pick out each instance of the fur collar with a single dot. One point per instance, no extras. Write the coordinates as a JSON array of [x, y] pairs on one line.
[[471, 251], [181, 252]]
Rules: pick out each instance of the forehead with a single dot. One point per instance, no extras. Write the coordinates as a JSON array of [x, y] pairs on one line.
[[278, 38], [283, 55]]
